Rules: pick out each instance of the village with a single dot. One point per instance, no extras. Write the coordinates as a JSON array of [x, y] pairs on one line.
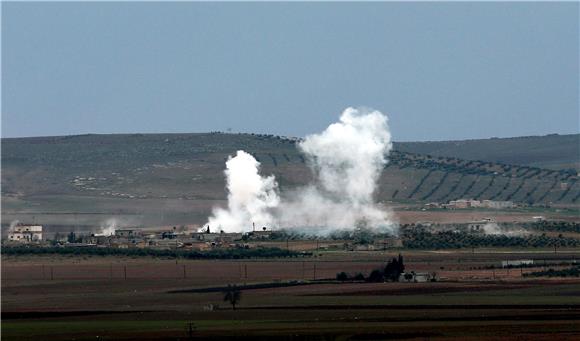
[[195, 238]]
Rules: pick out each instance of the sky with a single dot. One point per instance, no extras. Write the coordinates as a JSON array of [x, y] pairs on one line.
[[441, 71]]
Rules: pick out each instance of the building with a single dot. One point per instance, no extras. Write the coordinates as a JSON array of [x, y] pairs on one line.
[[230, 237], [259, 235], [127, 233], [417, 277], [478, 226], [25, 233], [432, 205], [516, 263], [497, 204], [463, 203]]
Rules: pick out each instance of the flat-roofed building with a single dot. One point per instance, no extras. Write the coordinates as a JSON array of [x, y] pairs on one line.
[[25, 233]]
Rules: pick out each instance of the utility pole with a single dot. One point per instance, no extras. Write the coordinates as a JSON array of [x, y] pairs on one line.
[[190, 329], [125, 271], [315, 271], [175, 236], [184, 272], [51, 273]]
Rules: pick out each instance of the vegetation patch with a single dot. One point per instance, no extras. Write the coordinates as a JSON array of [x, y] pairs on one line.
[[571, 272], [105, 251]]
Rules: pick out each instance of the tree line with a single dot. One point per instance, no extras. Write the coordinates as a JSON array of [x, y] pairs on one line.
[[138, 252]]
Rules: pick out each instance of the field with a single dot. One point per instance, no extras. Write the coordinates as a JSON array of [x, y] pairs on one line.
[[158, 181], [105, 298]]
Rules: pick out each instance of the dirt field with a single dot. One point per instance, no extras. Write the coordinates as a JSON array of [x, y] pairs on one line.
[[105, 298]]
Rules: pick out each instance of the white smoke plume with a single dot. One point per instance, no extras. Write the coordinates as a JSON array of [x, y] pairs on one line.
[[108, 227], [13, 225], [347, 160], [495, 229], [250, 196]]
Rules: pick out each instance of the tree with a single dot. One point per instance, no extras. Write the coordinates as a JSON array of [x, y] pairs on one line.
[[341, 276], [376, 276], [233, 295], [394, 269], [71, 238]]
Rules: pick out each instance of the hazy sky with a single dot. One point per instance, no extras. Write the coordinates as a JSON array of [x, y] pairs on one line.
[[440, 70]]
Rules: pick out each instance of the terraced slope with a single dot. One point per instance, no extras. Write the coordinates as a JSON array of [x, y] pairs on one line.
[[551, 151]]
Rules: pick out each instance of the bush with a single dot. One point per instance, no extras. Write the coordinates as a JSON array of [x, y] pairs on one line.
[[376, 276]]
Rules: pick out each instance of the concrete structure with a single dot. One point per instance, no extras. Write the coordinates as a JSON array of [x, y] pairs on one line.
[[477, 226], [417, 277], [516, 263], [463, 203], [25, 233], [216, 237], [259, 235], [497, 204], [127, 233]]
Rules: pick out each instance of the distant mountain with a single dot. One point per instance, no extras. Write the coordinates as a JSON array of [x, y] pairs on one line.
[[551, 151], [181, 175]]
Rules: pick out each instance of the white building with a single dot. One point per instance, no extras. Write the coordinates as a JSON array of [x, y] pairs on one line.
[[417, 277], [515, 263], [497, 204], [479, 225], [25, 233], [464, 203]]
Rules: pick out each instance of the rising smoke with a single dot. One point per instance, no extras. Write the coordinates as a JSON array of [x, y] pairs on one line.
[[346, 160], [250, 196], [108, 227], [13, 225]]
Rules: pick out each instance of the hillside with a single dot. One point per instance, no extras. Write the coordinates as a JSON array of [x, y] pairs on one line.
[[181, 175], [551, 151]]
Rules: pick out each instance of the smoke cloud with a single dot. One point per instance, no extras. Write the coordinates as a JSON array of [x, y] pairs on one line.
[[250, 196], [346, 159], [493, 228], [13, 225], [108, 227]]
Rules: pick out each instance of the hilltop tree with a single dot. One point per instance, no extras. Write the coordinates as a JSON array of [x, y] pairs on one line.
[[233, 295]]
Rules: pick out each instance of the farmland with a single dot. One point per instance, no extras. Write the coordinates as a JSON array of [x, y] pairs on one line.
[[162, 180], [61, 297]]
